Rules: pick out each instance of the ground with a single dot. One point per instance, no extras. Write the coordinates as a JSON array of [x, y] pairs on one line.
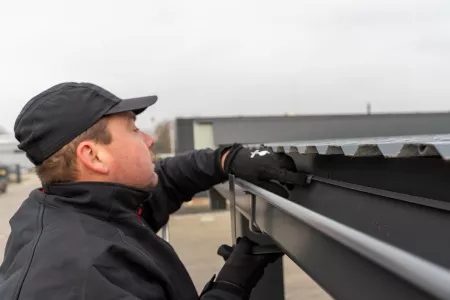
[[195, 237]]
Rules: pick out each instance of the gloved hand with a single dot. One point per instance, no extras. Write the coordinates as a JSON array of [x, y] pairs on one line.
[[242, 270], [261, 167]]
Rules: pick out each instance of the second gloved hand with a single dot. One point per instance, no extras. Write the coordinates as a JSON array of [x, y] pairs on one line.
[[261, 167], [242, 269]]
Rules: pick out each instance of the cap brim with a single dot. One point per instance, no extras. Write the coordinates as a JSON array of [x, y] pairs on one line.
[[136, 105]]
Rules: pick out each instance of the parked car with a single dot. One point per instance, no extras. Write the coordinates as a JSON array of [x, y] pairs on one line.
[[4, 176]]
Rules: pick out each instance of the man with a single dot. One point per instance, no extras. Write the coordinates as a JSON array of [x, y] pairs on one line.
[[90, 231]]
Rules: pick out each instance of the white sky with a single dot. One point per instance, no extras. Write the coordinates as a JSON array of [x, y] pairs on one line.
[[231, 57]]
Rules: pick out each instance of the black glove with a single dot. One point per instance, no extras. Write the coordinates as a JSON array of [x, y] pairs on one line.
[[242, 270], [225, 251], [261, 167]]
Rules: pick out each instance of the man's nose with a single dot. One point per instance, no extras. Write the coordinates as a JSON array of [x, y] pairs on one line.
[[149, 140]]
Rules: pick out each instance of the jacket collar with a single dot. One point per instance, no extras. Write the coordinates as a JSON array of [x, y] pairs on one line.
[[101, 199]]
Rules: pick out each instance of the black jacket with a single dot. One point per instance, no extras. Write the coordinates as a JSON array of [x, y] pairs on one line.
[[89, 241]]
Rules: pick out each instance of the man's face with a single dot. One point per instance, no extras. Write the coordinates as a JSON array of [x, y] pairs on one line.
[[131, 161]]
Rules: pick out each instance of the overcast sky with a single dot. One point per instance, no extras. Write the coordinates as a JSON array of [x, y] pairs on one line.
[[241, 57]]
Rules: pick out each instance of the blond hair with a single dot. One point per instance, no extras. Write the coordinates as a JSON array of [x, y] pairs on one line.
[[61, 166]]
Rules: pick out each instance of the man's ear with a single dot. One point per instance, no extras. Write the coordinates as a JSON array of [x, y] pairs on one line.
[[93, 157]]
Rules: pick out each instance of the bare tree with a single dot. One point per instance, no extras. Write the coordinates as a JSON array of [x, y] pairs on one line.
[[162, 136]]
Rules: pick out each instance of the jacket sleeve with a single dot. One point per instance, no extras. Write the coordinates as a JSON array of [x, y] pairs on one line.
[[219, 295], [180, 178], [222, 293], [105, 284], [101, 284]]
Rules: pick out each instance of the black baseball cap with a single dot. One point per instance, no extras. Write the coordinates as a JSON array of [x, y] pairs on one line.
[[53, 118]]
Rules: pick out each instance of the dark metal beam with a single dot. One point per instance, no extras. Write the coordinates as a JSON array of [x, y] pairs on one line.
[[347, 263]]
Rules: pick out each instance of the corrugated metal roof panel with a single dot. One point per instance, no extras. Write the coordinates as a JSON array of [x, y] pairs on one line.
[[400, 146]]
